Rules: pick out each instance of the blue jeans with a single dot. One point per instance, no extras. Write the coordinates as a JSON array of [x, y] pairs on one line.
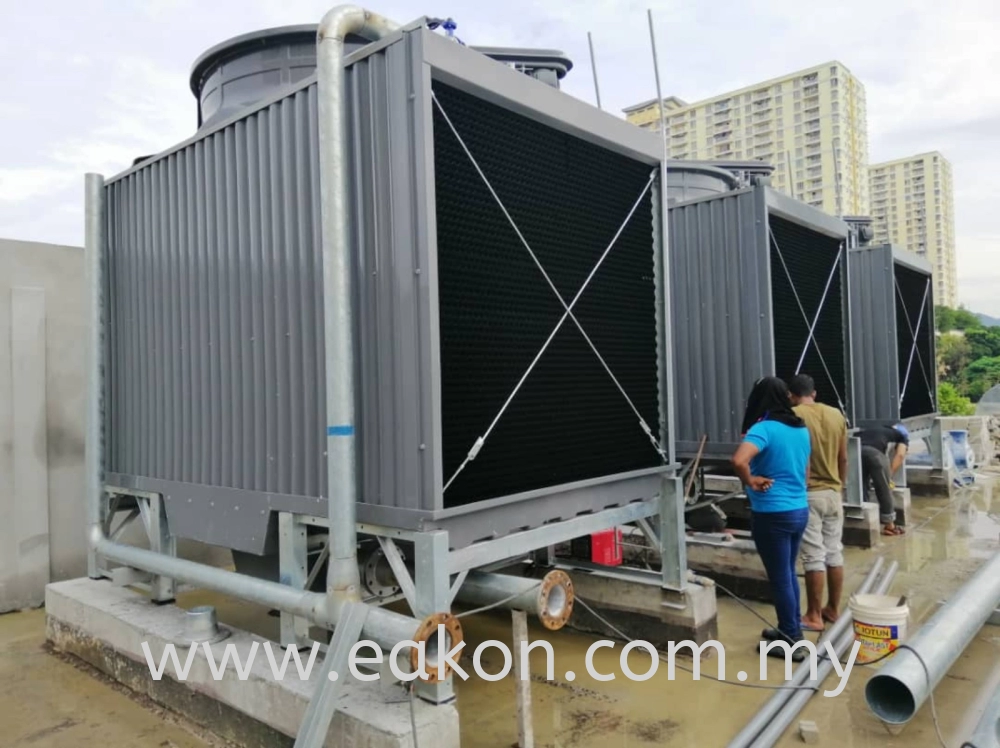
[[777, 536]]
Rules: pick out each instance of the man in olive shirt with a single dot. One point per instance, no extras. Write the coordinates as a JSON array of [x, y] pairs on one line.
[[822, 546]]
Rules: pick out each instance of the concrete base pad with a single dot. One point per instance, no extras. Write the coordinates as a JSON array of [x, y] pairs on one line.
[[930, 482], [732, 561], [903, 505], [106, 626], [633, 601], [862, 531]]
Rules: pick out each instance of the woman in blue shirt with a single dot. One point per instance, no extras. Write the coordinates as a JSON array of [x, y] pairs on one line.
[[773, 464]]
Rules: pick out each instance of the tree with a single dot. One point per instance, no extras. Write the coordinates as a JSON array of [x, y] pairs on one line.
[[947, 319], [950, 403], [954, 354], [981, 374], [984, 342]]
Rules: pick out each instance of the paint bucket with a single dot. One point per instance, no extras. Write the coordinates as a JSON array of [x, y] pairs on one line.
[[879, 625]]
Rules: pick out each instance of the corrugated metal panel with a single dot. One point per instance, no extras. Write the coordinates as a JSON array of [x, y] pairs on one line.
[[215, 309], [392, 173], [873, 331], [721, 314]]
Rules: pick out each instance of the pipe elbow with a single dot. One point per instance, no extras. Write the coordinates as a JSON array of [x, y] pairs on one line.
[[339, 22], [343, 20]]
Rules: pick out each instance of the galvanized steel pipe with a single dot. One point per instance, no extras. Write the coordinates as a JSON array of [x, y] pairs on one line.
[[93, 253], [774, 729], [776, 703], [551, 598], [897, 692], [987, 732], [343, 580], [384, 627]]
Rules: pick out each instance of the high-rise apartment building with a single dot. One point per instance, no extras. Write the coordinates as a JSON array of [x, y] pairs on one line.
[[810, 125], [913, 206]]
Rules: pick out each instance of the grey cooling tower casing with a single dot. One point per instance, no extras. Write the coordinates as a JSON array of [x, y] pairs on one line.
[[246, 69]]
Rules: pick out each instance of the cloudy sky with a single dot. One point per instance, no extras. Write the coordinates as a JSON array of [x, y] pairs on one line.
[[90, 84]]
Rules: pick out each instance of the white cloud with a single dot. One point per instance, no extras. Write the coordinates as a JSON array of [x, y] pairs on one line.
[[20, 185]]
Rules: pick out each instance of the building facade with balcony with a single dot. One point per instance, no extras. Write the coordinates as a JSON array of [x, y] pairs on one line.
[[810, 125], [913, 206]]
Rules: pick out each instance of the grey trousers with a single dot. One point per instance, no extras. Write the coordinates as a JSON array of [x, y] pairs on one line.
[[875, 470]]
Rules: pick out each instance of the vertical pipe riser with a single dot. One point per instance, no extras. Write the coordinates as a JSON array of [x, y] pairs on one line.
[[343, 580], [94, 251]]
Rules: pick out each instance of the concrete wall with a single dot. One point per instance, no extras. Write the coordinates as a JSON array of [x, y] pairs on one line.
[[43, 336], [42, 339]]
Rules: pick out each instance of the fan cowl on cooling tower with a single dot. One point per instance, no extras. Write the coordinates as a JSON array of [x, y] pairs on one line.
[[214, 306]]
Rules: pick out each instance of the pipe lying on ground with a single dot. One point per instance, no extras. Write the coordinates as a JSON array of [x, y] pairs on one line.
[[900, 689], [773, 731], [987, 731], [777, 702], [551, 598]]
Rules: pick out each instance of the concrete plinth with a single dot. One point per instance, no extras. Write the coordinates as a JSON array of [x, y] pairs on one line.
[[902, 502], [862, 526], [106, 626], [633, 601], [732, 561], [930, 482]]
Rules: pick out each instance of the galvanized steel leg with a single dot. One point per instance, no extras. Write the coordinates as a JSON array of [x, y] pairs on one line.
[[522, 683], [163, 589], [855, 485], [672, 535], [433, 595], [293, 570], [323, 704]]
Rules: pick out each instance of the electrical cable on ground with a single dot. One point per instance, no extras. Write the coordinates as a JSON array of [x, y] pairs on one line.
[[755, 686]]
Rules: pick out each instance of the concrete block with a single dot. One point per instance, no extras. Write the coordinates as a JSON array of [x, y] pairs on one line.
[[901, 499], [634, 602], [930, 482], [732, 561], [861, 526], [809, 732], [106, 626]]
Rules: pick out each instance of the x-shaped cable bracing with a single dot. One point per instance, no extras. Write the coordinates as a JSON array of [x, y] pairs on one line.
[[812, 324], [568, 308], [913, 347]]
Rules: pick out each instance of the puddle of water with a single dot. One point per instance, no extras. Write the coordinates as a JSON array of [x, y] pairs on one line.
[[946, 543]]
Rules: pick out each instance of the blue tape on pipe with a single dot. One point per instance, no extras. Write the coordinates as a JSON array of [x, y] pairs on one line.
[[340, 431]]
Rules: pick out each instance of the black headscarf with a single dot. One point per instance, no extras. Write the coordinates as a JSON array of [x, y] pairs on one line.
[[769, 401]]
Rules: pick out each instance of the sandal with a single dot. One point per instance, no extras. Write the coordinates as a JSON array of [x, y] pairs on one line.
[[814, 629], [893, 531]]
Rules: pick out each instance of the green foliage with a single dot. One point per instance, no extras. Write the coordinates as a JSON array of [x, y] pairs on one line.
[[981, 375], [984, 342], [947, 319], [951, 403], [954, 354]]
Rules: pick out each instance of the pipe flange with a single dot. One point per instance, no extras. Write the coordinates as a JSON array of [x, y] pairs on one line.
[[427, 633], [555, 600], [374, 575]]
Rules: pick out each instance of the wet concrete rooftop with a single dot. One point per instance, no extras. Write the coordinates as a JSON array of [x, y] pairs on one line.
[[46, 700]]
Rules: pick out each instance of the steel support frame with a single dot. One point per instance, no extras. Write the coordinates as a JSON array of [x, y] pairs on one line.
[[855, 496], [293, 570], [151, 508]]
